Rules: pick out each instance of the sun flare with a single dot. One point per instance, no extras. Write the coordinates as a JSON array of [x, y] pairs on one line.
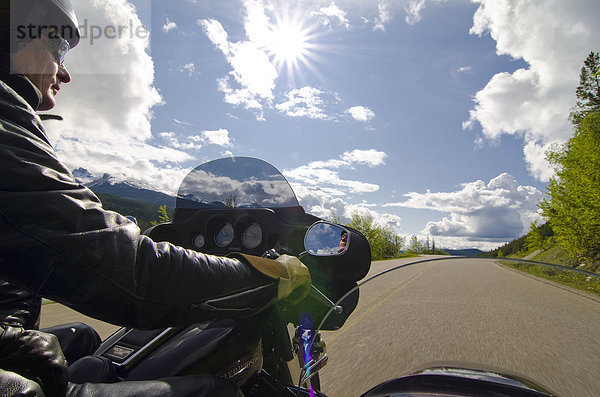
[[292, 45]]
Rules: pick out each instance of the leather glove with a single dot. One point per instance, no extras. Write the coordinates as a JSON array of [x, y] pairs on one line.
[[36, 356], [296, 285], [294, 278]]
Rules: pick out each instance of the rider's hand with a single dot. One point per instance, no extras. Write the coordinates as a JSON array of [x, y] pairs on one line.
[[36, 356], [296, 285]]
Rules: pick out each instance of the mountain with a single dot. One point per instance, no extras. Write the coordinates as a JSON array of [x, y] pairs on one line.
[[83, 176], [464, 252], [122, 188]]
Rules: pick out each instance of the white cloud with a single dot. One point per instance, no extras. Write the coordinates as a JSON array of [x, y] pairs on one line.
[[304, 102], [361, 113], [182, 122], [371, 157], [327, 173], [173, 141], [464, 69], [553, 37], [498, 211], [168, 26], [322, 203], [252, 78], [188, 68], [332, 12], [107, 107], [218, 137], [216, 34], [384, 16], [413, 11]]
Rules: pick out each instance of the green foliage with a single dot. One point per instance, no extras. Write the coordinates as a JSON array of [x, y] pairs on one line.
[[588, 91], [573, 206], [511, 248], [143, 211], [162, 216], [536, 238], [383, 241], [416, 247], [334, 218], [563, 276]]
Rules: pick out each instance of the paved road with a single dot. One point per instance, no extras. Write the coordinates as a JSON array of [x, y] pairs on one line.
[[457, 310], [55, 314], [471, 311]]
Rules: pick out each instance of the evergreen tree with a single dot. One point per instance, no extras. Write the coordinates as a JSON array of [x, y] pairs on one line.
[[162, 215], [588, 91]]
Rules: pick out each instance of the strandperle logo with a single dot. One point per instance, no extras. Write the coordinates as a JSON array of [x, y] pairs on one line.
[[87, 31], [105, 36]]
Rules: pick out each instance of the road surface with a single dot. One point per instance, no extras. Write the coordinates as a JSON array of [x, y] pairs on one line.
[[469, 310]]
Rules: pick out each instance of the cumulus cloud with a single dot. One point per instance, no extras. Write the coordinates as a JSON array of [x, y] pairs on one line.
[[173, 141], [322, 203], [332, 15], [361, 113], [107, 107], [497, 211], [168, 26], [304, 102], [252, 78], [327, 173], [554, 38], [218, 137], [371, 157]]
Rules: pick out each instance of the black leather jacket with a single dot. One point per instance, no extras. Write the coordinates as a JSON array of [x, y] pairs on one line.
[[58, 242]]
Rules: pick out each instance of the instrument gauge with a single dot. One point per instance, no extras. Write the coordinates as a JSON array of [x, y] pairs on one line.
[[224, 236], [252, 236], [198, 241]]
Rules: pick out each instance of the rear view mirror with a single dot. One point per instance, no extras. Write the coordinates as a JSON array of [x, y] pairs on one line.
[[326, 239]]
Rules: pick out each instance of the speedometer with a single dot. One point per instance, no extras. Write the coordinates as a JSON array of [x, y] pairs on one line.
[[252, 236], [224, 236]]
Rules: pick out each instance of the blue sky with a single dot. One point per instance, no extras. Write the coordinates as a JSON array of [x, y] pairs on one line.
[[431, 116]]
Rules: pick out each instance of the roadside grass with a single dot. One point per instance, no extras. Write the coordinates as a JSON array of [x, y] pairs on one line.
[[563, 276], [555, 255]]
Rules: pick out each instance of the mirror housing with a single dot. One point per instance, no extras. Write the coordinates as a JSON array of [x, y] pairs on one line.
[[330, 264], [333, 273]]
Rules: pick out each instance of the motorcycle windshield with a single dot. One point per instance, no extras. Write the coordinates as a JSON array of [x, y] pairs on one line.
[[468, 313], [235, 182]]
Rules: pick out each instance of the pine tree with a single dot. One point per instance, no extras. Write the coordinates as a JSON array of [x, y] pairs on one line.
[[588, 91]]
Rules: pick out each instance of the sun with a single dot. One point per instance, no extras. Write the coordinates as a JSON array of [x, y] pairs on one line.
[[292, 44]]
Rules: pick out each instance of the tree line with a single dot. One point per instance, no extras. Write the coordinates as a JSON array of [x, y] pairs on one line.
[[572, 206], [572, 203]]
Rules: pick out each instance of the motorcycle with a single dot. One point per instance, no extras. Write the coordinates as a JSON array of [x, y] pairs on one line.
[[457, 315], [237, 204]]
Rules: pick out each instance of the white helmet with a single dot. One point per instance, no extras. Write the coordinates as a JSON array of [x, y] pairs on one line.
[[44, 13]]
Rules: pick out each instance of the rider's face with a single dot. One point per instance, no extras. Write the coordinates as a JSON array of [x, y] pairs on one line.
[[39, 65]]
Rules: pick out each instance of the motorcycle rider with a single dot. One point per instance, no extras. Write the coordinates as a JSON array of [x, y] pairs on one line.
[[58, 241]]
